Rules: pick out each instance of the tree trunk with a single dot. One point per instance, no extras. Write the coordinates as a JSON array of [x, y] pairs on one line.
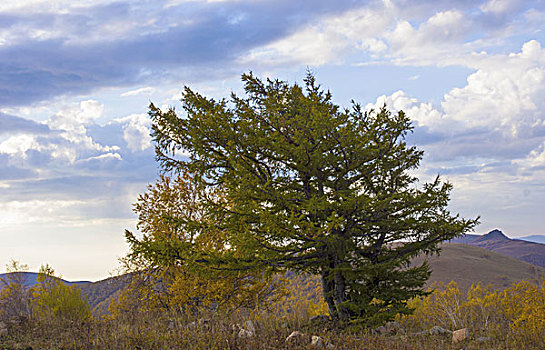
[[328, 287], [340, 297]]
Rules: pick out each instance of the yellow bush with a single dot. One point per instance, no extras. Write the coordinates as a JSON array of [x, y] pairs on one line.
[[54, 302]]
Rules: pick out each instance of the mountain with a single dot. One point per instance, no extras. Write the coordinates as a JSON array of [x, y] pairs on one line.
[[468, 264], [495, 240], [533, 238], [29, 278], [98, 294]]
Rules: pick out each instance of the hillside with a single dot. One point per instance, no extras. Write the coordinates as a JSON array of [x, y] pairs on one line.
[[29, 278], [468, 264], [463, 263], [98, 294], [495, 240], [533, 238]]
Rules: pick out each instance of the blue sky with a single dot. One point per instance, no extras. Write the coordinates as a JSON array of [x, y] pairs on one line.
[[76, 78]]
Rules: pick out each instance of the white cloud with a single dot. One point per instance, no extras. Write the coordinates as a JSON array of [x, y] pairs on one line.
[[329, 39], [141, 91], [136, 131], [507, 93], [35, 211], [499, 6], [19, 145]]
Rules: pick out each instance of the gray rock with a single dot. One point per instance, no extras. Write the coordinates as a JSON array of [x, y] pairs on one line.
[[243, 333], [394, 328], [483, 339], [436, 330], [390, 328], [249, 326], [3, 329], [426, 332], [381, 330]]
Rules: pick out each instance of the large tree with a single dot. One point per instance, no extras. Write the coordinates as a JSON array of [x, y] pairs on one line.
[[312, 187]]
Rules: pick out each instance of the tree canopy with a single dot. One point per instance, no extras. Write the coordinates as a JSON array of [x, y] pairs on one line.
[[308, 186]]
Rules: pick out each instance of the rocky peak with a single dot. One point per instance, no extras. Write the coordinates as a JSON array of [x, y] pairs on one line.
[[496, 235]]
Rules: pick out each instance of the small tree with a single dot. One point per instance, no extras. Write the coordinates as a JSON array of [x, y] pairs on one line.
[[55, 303], [14, 294], [312, 187]]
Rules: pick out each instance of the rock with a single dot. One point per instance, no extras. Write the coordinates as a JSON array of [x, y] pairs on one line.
[[483, 339], [204, 323], [381, 330], [249, 326], [318, 319], [460, 335], [394, 328], [243, 333], [436, 330], [295, 337], [318, 342], [426, 332], [390, 328]]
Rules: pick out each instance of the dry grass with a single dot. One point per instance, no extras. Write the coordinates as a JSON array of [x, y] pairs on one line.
[[215, 331]]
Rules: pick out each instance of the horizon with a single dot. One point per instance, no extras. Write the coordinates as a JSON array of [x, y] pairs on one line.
[[77, 78], [120, 272]]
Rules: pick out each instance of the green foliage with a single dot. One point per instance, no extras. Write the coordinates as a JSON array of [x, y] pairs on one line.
[[54, 302], [176, 231], [307, 186]]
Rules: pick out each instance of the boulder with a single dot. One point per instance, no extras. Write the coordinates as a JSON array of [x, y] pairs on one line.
[[3, 329], [460, 335], [318, 342], [394, 328], [436, 330], [390, 328], [249, 326], [295, 338], [483, 339], [381, 330], [243, 333]]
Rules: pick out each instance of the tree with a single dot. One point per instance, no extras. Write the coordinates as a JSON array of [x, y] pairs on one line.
[[309, 186], [55, 303], [14, 294], [167, 278]]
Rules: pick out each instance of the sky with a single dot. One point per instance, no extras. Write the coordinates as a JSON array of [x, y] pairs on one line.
[[76, 78]]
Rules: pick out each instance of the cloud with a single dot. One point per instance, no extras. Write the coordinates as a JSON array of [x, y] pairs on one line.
[[10, 124], [145, 91], [125, 43], [136, 131], [494, 124]]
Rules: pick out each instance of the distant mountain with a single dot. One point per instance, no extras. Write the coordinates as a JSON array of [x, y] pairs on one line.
[[467, 264], [98, 294], [465, 239], [30, 278], [464, 263], [495, 240], [533, 238]]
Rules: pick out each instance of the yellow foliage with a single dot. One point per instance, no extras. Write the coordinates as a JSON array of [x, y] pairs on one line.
[[301, 297], [55, 302], [519, 309]]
